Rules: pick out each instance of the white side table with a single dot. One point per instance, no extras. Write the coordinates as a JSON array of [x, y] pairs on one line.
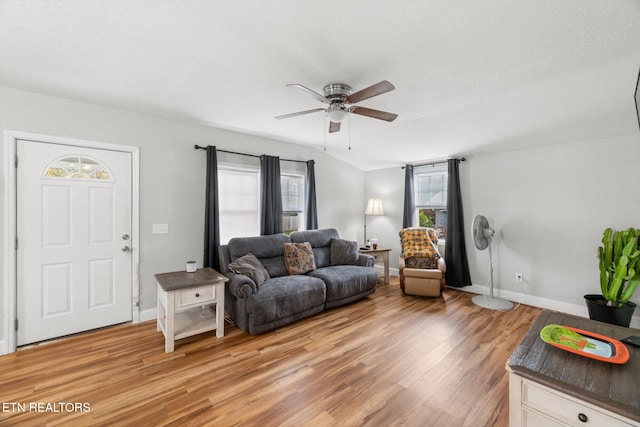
[[379, 255], [181, 296]]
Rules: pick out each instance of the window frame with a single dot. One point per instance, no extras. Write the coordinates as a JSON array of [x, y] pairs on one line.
[[301, 212], [250, 170], [431, 170]]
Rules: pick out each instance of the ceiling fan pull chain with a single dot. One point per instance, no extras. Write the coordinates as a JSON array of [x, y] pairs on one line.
[[324, 126], [349, 118]]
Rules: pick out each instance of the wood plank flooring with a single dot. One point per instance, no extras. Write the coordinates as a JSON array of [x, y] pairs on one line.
[[387, 360]]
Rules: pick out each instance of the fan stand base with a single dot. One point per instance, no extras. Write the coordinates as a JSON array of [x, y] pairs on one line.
[[492, 303]]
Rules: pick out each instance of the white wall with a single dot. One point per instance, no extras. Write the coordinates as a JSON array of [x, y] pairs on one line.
[[549, 206], [388, 185], [172, 174]]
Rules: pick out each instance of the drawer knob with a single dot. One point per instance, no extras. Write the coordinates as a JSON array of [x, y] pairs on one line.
[[198, 296], [582, 417]]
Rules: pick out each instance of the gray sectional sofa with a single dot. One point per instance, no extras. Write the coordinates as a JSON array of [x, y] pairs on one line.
[[338, 278]]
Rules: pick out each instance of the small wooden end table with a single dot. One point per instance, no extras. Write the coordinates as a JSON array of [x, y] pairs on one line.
[[379, 255], [181, 296]]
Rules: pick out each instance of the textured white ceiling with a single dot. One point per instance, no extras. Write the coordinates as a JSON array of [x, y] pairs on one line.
[[470, 76]]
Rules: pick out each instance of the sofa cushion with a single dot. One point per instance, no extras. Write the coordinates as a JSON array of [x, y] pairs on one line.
[[320, 242], [298, 257], [268, 249], [284, 297], [344, 281], [251, 267], [344, 252]]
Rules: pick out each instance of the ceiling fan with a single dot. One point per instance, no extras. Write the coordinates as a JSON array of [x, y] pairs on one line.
[[340, 98]]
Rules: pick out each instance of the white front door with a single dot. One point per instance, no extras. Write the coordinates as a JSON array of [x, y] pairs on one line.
[[74, 224]]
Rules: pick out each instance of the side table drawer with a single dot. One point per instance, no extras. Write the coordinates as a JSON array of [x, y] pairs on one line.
[[194, 296], [561, 408]]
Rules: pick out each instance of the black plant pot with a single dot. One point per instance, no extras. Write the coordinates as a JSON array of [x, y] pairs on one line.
[[599, 310]]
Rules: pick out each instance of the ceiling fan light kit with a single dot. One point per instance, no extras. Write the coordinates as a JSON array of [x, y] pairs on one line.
[[341, 98], [337, 113]]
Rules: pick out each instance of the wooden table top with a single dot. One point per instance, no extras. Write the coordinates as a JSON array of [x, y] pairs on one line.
[[182, 280], [610, 386], [362, 249]]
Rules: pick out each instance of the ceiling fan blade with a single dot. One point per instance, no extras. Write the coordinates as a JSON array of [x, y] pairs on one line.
[[334, 127], [371, 91], [299, 113], [376, 114], [309, 92]]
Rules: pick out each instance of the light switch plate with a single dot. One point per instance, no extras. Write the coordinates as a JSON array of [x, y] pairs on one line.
[[160, 228]]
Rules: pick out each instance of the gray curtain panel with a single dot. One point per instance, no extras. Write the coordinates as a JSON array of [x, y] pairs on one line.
[[455, 255], [312, 209], [211, 212], [638, 98], [409, 212], [271, 200]]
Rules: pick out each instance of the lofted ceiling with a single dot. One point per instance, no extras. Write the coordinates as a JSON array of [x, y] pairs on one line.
[[470, 76]]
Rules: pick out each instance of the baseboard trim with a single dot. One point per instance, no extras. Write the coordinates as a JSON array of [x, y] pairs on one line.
[[563, 307], [392, 271], [3, 347], [148, 314]]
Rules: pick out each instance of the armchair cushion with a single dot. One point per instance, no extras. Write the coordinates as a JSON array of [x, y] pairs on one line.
[[421, 262]]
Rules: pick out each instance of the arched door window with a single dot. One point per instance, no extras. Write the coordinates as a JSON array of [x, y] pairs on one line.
[[78, 167]]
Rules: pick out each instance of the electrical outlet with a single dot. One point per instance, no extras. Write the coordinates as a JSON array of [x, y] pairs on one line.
[[519, 277], [160, 228]]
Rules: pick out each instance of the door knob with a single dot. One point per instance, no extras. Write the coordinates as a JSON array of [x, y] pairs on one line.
[[125, 237], [126, 249]]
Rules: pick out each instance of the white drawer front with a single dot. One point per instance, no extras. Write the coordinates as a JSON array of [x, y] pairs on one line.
[[573, 412], [195, 296], [531, 418]]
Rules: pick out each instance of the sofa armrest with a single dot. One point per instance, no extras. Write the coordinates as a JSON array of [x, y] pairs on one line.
[[240, 285], [365, 260]]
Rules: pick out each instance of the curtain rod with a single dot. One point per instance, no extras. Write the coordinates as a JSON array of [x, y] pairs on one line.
[[197, 147], [462, 159]]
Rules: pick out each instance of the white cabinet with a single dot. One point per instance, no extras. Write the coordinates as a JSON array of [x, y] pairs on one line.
[[532, 404]]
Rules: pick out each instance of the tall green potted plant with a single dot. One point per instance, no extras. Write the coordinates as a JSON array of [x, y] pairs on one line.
[[619, 258]]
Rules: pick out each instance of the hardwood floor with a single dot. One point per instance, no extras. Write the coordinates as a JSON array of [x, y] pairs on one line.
[[389, 359]]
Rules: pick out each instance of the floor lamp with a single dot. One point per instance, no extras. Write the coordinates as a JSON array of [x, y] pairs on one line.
[[374, 207]]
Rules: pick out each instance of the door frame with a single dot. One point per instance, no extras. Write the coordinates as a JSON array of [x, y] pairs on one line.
[[8, 286]]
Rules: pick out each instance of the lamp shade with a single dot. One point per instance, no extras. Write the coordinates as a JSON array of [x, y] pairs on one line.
[[374, 207]]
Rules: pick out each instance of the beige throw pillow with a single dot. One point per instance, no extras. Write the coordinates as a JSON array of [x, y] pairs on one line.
[[298, 257]]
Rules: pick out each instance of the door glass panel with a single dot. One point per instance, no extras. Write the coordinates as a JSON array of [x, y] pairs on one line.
[[77, 167]]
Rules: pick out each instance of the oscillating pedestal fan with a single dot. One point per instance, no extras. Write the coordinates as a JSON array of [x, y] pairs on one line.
[[482, 235]]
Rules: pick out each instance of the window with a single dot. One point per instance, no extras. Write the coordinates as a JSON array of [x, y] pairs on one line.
[[431, 196], [77, 167], [239, 198], [292, 202]]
